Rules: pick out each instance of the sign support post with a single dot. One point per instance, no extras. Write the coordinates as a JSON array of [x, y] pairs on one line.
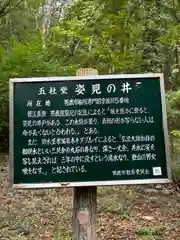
[[84, 198]]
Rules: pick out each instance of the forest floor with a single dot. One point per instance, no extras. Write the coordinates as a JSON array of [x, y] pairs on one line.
[[138, 213]]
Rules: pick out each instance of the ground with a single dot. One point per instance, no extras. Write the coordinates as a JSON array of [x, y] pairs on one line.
[[129, 213]]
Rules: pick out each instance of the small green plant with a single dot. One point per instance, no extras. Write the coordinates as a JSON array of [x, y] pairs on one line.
[[144, 231], [152, 233]]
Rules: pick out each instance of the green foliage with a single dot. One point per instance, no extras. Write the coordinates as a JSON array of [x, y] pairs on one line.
[[131, 37], [27, 59], [173, 111], [151, 233]]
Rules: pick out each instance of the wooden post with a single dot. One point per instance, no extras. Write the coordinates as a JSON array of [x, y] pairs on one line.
[[85, 198]]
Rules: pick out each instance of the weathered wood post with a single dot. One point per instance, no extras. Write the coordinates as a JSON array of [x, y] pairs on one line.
[[85, 198]]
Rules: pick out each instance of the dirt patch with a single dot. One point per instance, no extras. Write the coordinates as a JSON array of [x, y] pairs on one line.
[[123, 213]]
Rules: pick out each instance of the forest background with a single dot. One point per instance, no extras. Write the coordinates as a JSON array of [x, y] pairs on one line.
[[56, 37]]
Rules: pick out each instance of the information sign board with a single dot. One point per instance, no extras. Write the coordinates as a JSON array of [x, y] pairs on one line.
[[88, 131]]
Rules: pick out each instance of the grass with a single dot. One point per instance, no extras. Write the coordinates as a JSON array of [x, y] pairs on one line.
[[150, 232]]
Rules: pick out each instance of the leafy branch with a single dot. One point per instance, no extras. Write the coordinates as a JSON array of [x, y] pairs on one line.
[[7, 7]]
